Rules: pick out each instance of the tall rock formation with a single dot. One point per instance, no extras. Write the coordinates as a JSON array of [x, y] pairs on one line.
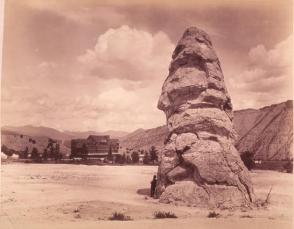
[[199, 164]]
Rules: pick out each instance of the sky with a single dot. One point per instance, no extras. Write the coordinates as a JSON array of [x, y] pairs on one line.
[[99, 65]]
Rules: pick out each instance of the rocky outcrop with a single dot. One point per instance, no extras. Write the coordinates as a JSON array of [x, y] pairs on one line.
[[199, 164]]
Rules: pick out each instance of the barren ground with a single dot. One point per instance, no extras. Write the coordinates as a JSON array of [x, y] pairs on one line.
[[81, 196]]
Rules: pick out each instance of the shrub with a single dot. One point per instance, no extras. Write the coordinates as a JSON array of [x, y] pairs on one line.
[[119, 216], [135, 157], [289, 167], [213, 215], [128, 159], [162, 215], [247, 158], [153, 154], [120, 159], [4, 148], [146, 158], [8, 152], [24, 154], [264, 203], [246, 216], [35, 155]]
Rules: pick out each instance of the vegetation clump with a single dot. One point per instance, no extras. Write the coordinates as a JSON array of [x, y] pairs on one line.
[[246, 216], [162, 215], [119, 216], [213, 215], [266, 202]]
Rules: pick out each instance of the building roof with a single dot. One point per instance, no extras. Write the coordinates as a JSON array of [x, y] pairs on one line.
[[98, 138], [79, 140]]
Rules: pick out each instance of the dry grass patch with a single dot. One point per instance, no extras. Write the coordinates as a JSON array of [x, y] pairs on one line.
[[163, 215], [213, 215], [120, 217]]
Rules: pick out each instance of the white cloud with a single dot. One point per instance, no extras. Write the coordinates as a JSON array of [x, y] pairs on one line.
[[129, 54], [116, 85], [267, 78]]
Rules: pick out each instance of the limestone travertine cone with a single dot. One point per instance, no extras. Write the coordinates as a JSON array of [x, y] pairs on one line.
[[199, 165]]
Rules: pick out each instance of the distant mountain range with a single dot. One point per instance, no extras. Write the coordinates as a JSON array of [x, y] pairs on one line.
[[267, 132], [56, 134]]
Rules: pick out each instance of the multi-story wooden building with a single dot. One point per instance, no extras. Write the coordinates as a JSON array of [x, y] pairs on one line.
[[94, 147]]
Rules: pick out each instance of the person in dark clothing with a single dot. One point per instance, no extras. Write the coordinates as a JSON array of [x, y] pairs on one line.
[[153, 186]]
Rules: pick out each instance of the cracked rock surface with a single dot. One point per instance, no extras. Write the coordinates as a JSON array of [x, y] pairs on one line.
[[199, 165]]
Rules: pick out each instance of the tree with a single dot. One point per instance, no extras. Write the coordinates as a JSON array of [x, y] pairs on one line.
[[135, 157], [146, 158], [7, 151], [120, 159], [35, 155], [247, 158], [153, 154], [128, 159], [57, 154], [289, 166], [4, 149], [25, 153], [45, 154], [51, 148], [124, 158]]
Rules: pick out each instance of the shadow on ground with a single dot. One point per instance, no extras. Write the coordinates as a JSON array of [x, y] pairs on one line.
[[144, 191]]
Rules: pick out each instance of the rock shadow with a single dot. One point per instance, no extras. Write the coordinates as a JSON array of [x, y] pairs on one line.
[[144, 191]]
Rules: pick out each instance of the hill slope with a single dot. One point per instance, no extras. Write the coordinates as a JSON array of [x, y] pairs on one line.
[[19, 142], [144, 139], [268, 132]]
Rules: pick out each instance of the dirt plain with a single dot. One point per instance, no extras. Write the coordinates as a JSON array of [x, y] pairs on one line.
[[82, 196]]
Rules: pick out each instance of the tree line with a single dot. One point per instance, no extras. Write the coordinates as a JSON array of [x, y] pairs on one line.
[[149, 157], [52, 151]]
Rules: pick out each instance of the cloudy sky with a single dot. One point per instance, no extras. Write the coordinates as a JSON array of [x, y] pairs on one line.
[[99, 65]]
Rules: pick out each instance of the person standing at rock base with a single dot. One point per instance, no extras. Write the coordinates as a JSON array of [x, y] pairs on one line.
[[153, 186]]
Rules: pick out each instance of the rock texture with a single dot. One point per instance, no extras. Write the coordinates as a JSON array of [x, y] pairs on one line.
[[199, 163]]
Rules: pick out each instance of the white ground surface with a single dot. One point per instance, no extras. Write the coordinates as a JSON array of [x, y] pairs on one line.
[[81, 196]]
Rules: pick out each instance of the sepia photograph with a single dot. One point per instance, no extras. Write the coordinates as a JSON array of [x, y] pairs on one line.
[[146, 114]]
